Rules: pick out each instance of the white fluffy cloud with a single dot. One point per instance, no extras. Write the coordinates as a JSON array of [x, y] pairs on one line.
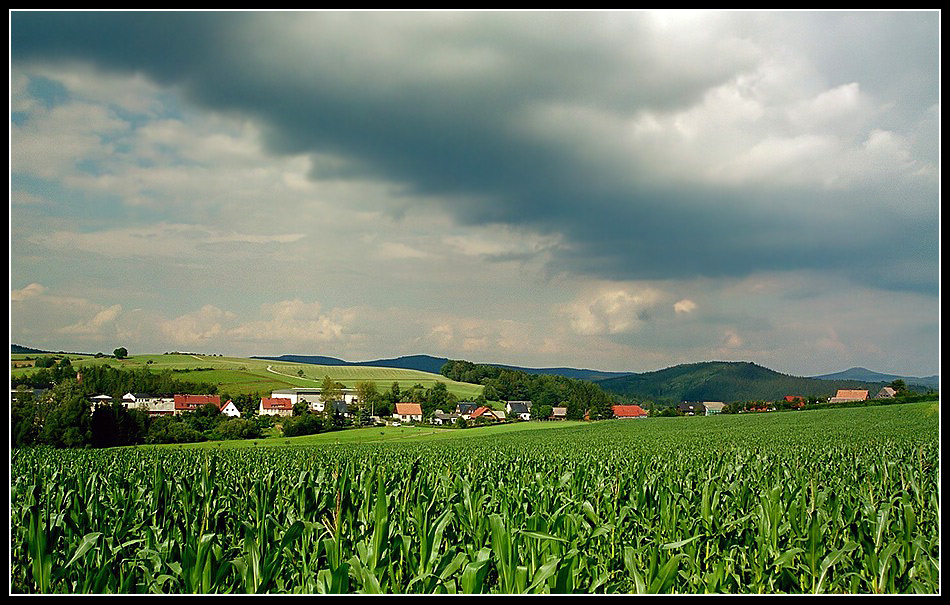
[[684, 306], [609, 310], [199, 327], [30, 291], [287, 323], [295, 323], [97, 325]]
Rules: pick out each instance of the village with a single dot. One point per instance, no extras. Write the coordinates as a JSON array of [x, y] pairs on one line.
[[283, 402]]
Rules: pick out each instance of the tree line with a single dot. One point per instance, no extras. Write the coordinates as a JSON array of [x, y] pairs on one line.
[[580, 397]]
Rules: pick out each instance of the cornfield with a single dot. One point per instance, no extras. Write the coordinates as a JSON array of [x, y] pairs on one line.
[[836, 501]]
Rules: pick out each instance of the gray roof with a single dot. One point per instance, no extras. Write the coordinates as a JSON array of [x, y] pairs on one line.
[[517, 407]]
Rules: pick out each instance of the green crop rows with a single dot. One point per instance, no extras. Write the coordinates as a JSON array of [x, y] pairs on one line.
[[837, 501]]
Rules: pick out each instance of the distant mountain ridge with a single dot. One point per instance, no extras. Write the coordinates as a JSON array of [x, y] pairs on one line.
[[867, 375], [428, 363]]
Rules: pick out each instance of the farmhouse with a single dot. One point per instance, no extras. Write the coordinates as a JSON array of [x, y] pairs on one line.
[[519, 409], [465, 408], [408, 412], [312, 396], [190, 403], [713, 407], [276, 406], [340, 407], [488, 414], [629, 411], [559, 413], [153, 405], [441, 418], [691, 409], [845, 395], [886, 393]]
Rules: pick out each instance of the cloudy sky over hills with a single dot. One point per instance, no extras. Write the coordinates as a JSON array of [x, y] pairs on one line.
[[621, 191]]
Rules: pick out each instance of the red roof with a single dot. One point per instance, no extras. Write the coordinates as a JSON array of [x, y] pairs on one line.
[[850, 395], [276, 403], [409, 409], [193, 402], [629, 411], [794, 398], [488, 413]]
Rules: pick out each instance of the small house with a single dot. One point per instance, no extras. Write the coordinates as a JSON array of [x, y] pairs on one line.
[[488, 414], [440, 418], [231, 410], [691, 409], [519, 409], [559, 413], [408, 412], [339, 407], [886, 393], [465, 409], [713, 407]]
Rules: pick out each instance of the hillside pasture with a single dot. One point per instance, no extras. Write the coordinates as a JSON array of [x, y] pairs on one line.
[[237, 375]]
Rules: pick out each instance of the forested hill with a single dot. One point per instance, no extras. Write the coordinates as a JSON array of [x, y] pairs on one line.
[[725, 381]]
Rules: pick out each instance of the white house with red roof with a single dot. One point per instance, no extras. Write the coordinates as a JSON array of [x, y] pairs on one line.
[[489, 414], [408, 412], [276, 406]]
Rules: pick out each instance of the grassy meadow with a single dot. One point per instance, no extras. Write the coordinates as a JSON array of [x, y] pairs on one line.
[[826, 501], [236, 375]]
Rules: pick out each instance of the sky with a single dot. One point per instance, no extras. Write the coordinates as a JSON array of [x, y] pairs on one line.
[[621, 191]]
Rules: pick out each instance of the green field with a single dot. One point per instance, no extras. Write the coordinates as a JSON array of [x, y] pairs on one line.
[[384, 434], [236, 375], [825, 501]]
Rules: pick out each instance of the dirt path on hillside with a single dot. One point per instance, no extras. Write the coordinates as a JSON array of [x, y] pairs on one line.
[[272, 370]]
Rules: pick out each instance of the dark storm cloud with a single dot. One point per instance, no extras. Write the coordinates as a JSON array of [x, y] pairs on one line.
[[436, 103]]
